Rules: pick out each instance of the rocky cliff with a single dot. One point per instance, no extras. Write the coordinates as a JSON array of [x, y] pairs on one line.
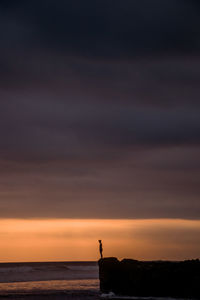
[[154, 278]]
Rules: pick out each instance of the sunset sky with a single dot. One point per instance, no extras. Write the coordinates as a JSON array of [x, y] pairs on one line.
[[100, 129]]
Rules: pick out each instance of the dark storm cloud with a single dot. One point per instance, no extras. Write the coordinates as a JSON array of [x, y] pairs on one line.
[[52, 128], [102, 28], [111, 28], [99, 109]]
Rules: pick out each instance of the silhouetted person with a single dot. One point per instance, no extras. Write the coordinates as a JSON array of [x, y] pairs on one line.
[[101, 248]]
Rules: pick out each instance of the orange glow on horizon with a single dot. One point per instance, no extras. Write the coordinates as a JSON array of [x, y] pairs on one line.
[[77, 239]]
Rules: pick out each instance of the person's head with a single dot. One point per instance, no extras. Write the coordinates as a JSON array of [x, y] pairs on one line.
[[100, 241]]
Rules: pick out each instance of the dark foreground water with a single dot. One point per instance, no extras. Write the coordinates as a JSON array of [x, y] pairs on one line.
[[54, 280]]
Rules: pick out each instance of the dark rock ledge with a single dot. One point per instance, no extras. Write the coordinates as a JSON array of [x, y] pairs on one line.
[[150, 279]]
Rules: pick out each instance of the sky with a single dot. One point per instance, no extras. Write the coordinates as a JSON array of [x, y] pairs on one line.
[[76, 239], [99, 109]]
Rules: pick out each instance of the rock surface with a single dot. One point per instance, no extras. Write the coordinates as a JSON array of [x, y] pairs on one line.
[[154, 278]]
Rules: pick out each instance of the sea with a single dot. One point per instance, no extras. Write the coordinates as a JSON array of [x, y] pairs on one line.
[[49, 280]]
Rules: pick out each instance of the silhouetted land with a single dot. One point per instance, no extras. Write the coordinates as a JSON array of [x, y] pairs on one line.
[[154, 278]]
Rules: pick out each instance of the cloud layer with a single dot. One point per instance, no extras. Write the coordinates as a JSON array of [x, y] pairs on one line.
[[99, 109]]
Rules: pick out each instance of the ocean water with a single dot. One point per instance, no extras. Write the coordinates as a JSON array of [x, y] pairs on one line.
[[64, 280]]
